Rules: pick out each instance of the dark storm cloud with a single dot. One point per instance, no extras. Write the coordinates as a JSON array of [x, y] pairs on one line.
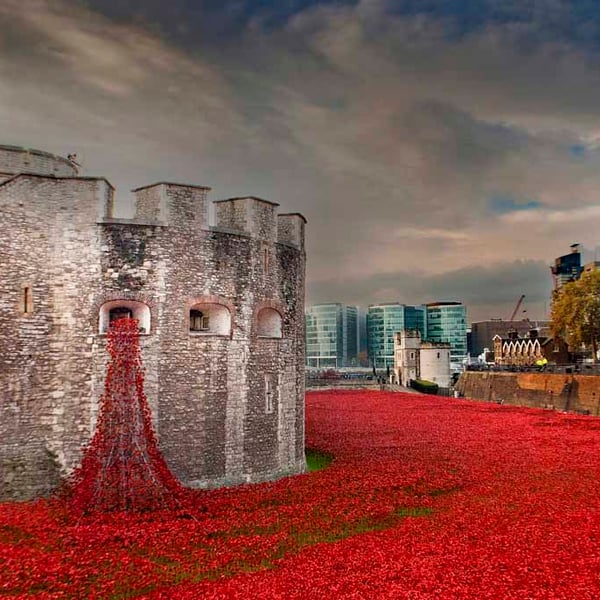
[[392, 125], [487, 290]]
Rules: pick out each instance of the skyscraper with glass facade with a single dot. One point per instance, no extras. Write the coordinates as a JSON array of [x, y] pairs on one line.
[[567, 267], [447, 322], [332, 336], [383, 320]]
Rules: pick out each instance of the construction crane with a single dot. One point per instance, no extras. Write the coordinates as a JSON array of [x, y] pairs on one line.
[[514, 312]]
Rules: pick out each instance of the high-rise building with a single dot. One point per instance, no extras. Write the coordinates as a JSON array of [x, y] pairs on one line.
[[567, 268], [447, 322], [332, 336], [383, 320]]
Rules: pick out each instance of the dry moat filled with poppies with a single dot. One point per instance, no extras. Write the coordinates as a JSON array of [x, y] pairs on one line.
[[426, 497]]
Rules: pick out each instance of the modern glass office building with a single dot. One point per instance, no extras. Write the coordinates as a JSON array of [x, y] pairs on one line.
[[332, 336], [567, 268], [447, 322], [383, 320]]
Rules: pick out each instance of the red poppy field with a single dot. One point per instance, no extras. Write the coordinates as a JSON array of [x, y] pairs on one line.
[[427, 497]]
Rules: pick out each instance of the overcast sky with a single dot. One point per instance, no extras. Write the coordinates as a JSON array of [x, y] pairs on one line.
[[439, 150]]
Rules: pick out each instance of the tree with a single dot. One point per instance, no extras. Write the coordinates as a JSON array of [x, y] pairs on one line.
[[363, 358], [576, 312]]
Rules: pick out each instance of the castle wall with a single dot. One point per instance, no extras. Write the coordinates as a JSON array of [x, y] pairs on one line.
[[49, 260], [214, 426], [228, 406]]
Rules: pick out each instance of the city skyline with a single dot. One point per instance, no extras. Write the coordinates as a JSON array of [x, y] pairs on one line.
[[440, 151]]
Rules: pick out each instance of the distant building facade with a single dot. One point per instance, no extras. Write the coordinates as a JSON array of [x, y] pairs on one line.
[[332, 337], [567, 268], [383, 321], [446, 322], [415, 359], [484, 332], [517, 351]]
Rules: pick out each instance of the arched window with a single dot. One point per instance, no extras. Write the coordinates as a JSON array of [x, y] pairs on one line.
[[119, 309], [269, 323], [208, 318]]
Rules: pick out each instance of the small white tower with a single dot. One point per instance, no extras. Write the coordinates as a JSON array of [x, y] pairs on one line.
[[406, 355]]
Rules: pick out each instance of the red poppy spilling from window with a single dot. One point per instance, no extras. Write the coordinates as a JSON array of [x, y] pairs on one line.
[[122, 468]]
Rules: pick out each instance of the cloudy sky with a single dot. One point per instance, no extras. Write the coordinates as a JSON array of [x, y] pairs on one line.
[[439, 150]]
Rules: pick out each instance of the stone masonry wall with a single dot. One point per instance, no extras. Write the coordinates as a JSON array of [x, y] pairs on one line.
[[208, 397], [228, 407], [214, 428], [49, 248], [579, 393]]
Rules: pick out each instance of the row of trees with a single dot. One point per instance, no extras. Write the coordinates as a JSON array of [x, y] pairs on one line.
[[576, 312]]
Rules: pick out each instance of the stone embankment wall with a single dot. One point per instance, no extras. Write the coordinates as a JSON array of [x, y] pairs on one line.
[[576, 393]]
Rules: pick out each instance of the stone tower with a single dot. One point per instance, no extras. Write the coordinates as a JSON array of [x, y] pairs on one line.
[[221, 312]]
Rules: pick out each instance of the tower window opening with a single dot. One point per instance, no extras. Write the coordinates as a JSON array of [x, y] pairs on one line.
[[119, 312], [198, 321], [269, 323], [123, 309], [26, 300], [270, 392], [209, 318]]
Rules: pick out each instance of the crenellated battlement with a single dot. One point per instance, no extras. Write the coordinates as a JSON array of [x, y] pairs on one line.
[[186, 206], [290, 229], [173, 204], [253, 216], [221, 312]]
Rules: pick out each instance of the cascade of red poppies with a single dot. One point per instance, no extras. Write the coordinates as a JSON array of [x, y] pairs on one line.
[[122, 468]]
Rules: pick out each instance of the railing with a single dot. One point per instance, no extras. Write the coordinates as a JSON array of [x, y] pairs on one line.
[[574, 369], [342, 380], [445, 391]]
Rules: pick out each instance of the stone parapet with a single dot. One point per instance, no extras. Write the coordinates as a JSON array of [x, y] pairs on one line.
[[254, 216], [172, 204], [290, 229], [14, 160]]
